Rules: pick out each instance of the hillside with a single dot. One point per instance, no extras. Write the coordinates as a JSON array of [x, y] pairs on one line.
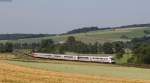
[[108, 35], [21, 36], [89, 29], [85, 30]]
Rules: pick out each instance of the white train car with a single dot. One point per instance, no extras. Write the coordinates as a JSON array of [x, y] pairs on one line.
[[56, 56], [106, 59], [102, 59], [70, 57], [84, 58], [42, 55]]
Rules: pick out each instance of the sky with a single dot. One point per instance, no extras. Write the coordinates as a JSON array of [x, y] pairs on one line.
[[59, 16]]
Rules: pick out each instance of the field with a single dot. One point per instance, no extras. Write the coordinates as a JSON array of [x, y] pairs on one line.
[[14, 70], [96, 36], [16, 74]]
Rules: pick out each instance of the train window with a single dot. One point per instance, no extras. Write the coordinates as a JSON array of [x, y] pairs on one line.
[[68, 56], [57, 56], [97, 58], [83, 57], [104, 58], [47, 55]]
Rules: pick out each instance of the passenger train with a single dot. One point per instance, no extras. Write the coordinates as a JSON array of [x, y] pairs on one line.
[[100, 59]]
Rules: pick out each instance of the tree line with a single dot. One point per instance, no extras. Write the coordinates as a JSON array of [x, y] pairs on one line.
[[140, 48], [9, 47], [95, 28], [72, 45], [22, 36]]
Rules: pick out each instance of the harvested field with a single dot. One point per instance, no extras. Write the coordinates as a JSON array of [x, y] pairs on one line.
[[16, 74]]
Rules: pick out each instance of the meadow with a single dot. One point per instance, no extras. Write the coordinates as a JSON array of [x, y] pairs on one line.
[[54, 71], [15, 74], [92, 69]]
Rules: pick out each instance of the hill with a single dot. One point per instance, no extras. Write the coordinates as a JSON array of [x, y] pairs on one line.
[[85, 29], [89, 29], [134, 25], [108, 35], [101, 36], [21, 36]]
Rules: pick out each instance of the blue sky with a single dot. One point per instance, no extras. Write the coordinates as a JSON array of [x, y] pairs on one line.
[[58, 16]]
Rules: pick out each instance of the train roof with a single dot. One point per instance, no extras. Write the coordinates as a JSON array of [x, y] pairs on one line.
[[98, 55], [70, 53]]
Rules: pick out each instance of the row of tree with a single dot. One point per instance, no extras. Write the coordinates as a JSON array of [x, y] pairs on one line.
[[140, 48], [9, 47], [22, 36], [83, 30], [72, 45]]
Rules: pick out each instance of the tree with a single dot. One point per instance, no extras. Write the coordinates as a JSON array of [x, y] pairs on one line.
[[47, 43], [124, 37], [71, 39], [70, 44], [118, 49], [34, 45], [2, 47], [100, 48], [59, 49], [8, 47], [108, 48], [93, 48], [81, 48], [83, 30], [147, 32], [142, 53]]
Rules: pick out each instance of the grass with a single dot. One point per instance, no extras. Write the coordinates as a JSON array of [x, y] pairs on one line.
[[6, 56], [94, 69], [16, 74], [125, 58]]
